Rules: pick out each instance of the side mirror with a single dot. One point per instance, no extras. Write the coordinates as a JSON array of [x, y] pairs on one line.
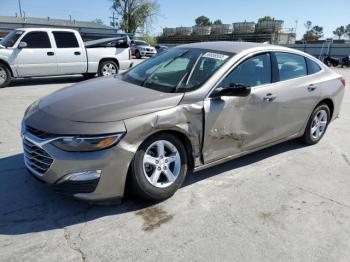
[[22, 45], [234, 90]]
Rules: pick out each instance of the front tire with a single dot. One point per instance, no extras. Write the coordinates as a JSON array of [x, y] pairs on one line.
[[138, 54], [317, 125], [108, 68], [159, 167], [5, 76]]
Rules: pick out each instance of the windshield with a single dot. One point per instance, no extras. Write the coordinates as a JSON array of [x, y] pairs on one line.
[[178, 70], [11, 38], [142, 43]]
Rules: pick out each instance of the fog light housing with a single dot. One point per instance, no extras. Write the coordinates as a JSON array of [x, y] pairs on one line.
[[83, 176]]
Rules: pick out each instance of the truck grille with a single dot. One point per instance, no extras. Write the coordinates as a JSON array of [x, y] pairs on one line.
[[36, 158]]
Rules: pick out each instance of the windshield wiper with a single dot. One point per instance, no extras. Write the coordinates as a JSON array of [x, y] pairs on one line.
[[155, 71]]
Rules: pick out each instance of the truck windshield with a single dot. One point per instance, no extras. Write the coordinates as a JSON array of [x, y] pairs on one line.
[[11, 38], [179, 70]]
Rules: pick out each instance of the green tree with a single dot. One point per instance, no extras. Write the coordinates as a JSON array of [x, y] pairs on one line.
[[317, 31], [339, 32], [266, 19], [312, 32], [98, 21], [217, 22], [135, 14], [202, 21], [308, 25], [347, 30]]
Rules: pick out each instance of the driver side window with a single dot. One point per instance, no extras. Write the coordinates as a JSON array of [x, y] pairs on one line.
[[252, 72]]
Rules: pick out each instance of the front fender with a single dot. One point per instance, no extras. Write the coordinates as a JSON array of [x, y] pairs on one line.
[[186, 119], [5, 60]]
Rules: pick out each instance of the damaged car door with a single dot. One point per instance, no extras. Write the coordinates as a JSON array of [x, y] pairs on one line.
[[239, 120]]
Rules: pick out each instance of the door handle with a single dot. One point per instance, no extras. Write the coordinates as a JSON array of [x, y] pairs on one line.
[[50, 53], [269, 97], [311, 88], [77, 53]]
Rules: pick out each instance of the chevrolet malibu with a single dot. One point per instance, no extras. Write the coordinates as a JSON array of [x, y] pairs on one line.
[[192, 107]]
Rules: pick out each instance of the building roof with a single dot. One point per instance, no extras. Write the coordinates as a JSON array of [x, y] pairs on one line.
[[52, 22]]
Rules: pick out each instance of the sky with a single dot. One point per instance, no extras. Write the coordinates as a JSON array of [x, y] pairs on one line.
[[173, 13]]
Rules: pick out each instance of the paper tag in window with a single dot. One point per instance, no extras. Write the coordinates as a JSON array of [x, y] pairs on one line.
[[216, 56]]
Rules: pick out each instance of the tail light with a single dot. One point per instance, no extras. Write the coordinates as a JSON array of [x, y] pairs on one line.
[[343, 81]]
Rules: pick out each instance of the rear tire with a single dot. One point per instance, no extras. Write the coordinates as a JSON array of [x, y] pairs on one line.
[[317, 125], [5, 76], [108, 68], [155, 175]]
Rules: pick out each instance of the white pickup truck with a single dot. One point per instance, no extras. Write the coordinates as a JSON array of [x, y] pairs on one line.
[[31, 52]]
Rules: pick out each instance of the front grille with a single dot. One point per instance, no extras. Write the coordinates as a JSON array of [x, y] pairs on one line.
[[36, 158]]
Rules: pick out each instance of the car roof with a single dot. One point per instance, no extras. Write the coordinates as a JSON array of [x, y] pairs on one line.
[[231, 47], [28, 29]]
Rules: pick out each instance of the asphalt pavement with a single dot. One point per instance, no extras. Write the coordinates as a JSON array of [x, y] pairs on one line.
[[285, 203]]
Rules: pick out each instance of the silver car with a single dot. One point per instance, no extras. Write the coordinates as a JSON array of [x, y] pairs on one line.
[[192, 107], [141, 48]]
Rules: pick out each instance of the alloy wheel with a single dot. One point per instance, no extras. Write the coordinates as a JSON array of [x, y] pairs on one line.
[[319, 124], [3, 75], [109, 69], [161, 164]]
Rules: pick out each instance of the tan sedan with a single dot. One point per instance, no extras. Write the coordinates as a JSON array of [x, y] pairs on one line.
[[187, 109]]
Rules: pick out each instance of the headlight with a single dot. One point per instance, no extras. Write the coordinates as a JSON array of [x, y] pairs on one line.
[[86, 144]]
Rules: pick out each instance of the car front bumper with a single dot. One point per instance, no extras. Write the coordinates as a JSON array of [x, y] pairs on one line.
[[148, 54], [54, 167]]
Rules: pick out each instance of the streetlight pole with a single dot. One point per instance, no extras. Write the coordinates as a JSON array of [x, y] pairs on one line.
[[20, 7]]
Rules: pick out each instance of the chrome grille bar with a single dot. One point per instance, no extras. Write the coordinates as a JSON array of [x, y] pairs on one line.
[[36, 158]]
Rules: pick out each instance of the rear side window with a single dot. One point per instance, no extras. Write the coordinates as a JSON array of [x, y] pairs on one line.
[[312, 67], [37, 40], [254, 71], [65, 40], [291, 66]]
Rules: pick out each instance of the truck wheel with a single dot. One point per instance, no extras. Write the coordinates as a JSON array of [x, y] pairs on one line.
[[108, 68], [138, 54], [5, 76]]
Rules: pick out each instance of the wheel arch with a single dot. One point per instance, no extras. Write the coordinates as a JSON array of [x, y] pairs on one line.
[[7, 65], [177, 133], [329, 102], [182, 136], [109, 59]]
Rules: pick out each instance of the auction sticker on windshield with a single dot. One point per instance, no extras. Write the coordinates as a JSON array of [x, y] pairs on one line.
[[216, 56]]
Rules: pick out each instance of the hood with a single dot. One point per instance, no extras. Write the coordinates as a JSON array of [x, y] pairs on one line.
[[106, 99], [146, 46]]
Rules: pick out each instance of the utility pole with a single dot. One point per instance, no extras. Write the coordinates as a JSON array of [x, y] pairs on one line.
[[20, 7], [113, 18]]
